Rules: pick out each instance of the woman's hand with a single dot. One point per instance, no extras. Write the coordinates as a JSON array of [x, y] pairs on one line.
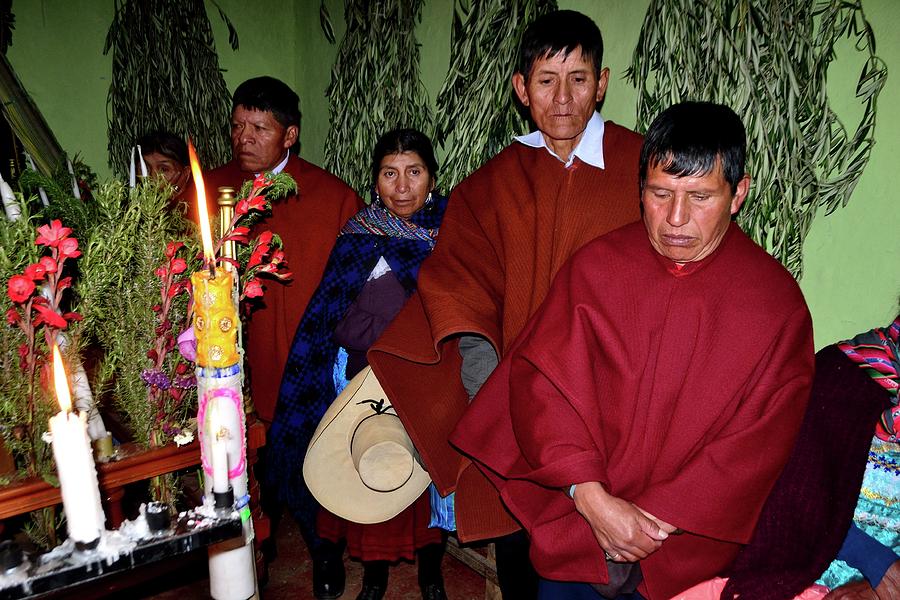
[[889, 588], [621, 528], [858, 590]]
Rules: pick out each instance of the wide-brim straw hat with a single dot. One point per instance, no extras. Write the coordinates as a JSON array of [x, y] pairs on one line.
[[361, 464]]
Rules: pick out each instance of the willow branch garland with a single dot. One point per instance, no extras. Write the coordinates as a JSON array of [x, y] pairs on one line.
[[476, 113], [166, 76], [375, 85], [768, 60]]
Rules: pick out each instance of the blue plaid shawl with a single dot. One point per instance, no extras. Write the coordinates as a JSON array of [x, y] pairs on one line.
[[307, 386]]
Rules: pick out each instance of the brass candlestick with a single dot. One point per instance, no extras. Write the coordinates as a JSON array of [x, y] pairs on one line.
[[226, 202]]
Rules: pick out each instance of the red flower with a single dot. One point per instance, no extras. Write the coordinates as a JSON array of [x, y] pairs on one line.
[[258, 203], [277, 257], [49, 316], [261, 181], [35, 272], [48, 263], [242, 206], [161, 272], [172, 248], [257, 255], [68, 248], [64, 283], [177, 288], [253, 289], [19, 288], [73, 316], [12, 316], [52, 234], [179, 265]]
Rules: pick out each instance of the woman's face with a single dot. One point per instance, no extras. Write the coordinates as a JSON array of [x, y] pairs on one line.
[[169, 169], [403, 183]]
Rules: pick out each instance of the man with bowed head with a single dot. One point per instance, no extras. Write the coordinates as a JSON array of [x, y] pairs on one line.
[[646, 410], [509, 227], [265, 126]]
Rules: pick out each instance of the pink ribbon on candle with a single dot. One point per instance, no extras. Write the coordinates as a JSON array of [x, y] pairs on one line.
[[232, 395]]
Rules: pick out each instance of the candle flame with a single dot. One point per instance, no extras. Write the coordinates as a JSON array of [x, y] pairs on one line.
[[205, 230], [61, 381]]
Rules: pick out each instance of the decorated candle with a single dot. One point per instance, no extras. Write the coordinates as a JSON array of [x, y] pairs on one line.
[[75, 464], [215, 318]]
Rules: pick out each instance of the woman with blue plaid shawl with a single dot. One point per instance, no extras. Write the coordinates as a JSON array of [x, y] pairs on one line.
[[371, 272]]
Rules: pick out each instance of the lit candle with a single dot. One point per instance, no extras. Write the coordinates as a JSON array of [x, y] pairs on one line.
[[75, 464], [215, 314]]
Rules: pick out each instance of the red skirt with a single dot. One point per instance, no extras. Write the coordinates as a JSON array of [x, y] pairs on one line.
[[395, 539]]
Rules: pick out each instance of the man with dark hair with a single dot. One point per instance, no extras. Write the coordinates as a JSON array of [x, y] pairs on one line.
[[508, 229], [645, 411], [265, 126]]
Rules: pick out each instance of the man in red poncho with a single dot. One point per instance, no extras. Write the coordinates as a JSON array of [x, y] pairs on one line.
[[508, 229], [643, 415], [265, 125]]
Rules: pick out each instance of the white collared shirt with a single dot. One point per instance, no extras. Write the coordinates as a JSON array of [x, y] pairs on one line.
[[280, 166], [589, 148]]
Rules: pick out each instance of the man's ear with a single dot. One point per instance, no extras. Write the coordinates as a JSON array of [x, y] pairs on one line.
[[743, 187], [602, 82], [518, 83], [290, 136]]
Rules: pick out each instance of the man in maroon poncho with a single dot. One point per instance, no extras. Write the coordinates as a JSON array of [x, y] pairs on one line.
[[644, 413], [508, 229], [265, 125]]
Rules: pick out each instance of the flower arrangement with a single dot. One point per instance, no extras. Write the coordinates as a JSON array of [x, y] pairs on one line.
[[37, 312]]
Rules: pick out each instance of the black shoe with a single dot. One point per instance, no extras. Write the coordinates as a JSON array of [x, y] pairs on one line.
[[328, 578], [434, 591], [371, 591]]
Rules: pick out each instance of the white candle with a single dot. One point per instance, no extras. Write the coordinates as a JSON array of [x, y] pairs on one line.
[[75, 464], [143, 164], [44, 200], [75, 191], [10, 204], [219, 459], [132, 178]]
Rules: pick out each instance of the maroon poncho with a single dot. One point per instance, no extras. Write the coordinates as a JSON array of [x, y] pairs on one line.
[[680, 390]]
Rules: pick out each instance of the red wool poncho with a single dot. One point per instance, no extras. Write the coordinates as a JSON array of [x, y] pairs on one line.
[[679, 390]]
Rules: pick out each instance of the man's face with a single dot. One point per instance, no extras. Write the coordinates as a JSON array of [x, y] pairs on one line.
[[561, 93], [686, 217], [258, 141]]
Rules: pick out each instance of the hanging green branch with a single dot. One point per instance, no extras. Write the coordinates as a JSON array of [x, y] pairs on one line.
[[166, 76], [375, 85], [769, 61], [476, 111]]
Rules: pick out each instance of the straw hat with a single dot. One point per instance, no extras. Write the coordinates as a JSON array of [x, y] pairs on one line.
[[361, 464]]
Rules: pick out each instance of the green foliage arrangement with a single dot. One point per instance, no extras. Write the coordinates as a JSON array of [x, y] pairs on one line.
[[375, 85], [769, 61], [118, 291], [166, 76], [476, 112]]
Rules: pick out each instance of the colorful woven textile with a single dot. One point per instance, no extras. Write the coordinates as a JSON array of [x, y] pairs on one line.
[[877, 352], [375, 220], [877, 512]]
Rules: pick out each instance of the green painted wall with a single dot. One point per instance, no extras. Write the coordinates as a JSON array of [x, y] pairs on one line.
[[57, 54]]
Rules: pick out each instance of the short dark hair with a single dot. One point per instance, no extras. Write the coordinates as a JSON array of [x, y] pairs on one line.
[[404, 140], [165, 143], [560, 31], [269, 95], [690, 137]]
